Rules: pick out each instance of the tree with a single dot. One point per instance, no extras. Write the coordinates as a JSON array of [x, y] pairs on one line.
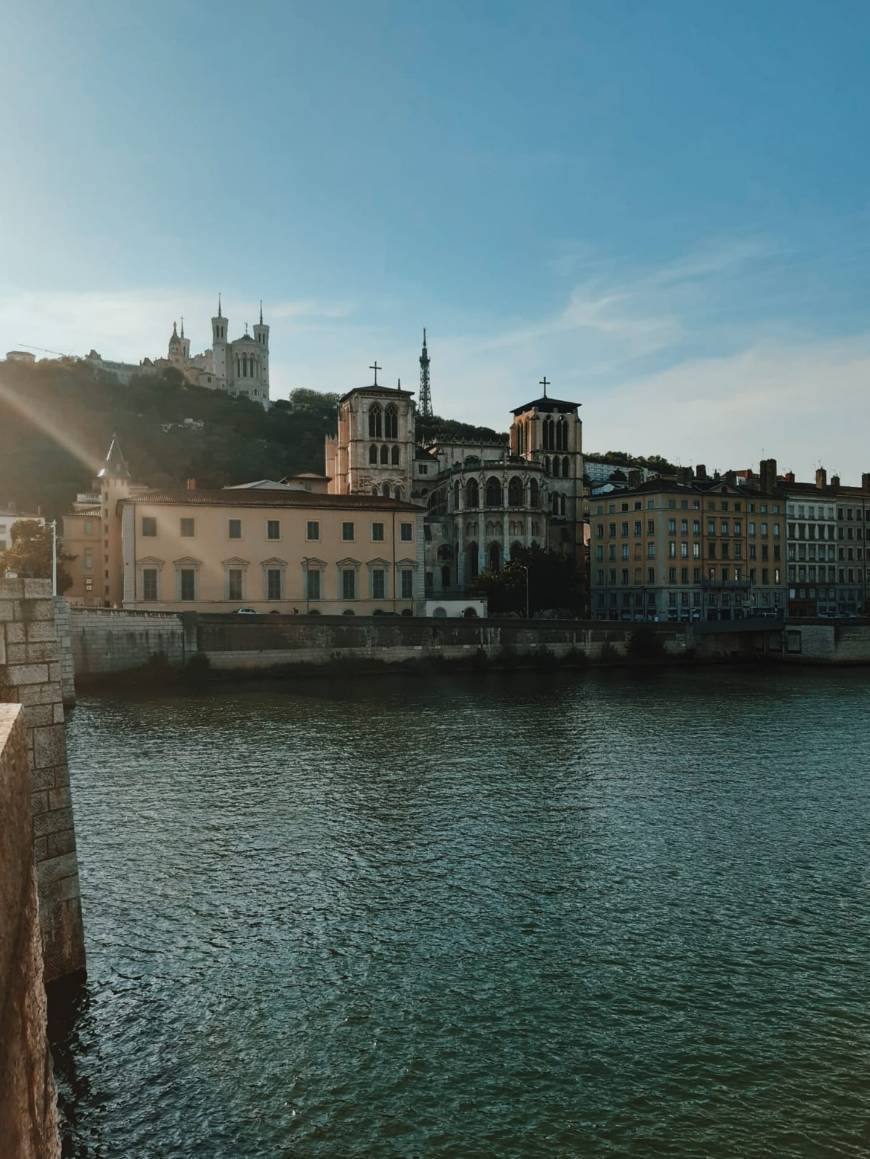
[[554, 581], [29, 554]]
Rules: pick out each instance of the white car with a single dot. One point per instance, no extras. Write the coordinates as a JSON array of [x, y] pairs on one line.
[[247, 612]]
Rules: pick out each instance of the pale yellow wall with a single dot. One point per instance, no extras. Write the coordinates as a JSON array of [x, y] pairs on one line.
[[82, 538], [211, 554]]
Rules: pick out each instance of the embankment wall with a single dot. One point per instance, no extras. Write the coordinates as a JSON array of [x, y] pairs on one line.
[[31, 675], [28, 1103]]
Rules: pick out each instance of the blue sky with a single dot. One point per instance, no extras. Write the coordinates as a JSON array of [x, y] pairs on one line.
[[664, 207]]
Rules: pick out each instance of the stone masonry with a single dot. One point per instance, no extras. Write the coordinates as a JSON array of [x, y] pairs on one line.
[[31, 674], [28, 1104]]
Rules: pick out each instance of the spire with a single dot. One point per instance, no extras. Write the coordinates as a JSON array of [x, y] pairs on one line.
[[182, 325], [261, 311], [220, 315], [115, 466], [425, 387], [174, 329]]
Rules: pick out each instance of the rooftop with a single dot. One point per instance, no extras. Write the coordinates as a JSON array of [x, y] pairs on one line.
[[256, 497], [548, 404]]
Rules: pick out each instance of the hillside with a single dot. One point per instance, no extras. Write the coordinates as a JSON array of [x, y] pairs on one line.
[[56, 419]]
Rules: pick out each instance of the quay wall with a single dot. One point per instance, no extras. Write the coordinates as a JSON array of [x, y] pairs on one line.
[[826, 643], [31, 674], [28, 1101], [107, 640]]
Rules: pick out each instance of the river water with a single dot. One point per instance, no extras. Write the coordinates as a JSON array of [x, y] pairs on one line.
[[560, 915]]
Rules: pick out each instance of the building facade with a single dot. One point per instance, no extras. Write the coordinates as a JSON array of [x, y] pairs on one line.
[[286, 547], [695, 549]]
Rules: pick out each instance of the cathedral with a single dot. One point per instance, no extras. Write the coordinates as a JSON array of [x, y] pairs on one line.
[[239, 366], [483, 500]]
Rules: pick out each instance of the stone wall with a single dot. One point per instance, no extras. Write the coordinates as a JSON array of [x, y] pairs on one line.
[[28, 1105], [258, 642], [30, 674], [109, 640], [64, 645], [826, 643]]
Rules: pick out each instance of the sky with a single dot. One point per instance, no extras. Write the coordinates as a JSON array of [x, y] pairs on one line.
[[662, 207]]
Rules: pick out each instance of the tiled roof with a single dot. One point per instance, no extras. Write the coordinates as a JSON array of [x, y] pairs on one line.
[[556, 404], [260, 498]]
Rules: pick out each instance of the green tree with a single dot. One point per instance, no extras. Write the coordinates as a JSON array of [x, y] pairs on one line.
[[554, 581], [29, 554]]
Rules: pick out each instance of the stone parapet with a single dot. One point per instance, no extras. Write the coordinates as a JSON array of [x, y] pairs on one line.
[[31, 674], [28, 1103]]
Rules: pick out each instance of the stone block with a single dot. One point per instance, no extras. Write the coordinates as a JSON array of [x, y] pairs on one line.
[[65, 889], [54, 672], [11, 588], [59, 798], [8, 609], [17, 654], [54, 868], [41, 631], [38, 693], [40, 650], [39, 802], [38, 589], [43, 778], [16, 633], [52, 822], [49, 746], [57, 709], [62, 842], [36, 610], [40, 849], [18, 674]]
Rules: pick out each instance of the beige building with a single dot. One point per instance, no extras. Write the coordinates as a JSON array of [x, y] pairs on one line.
[[266, 547]]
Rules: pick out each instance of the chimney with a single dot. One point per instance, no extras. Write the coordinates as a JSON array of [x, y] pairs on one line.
[[789, 476], [835, 481], [767, 473], [821, 478], [685, 475], [191, 484], [700, 471], [865, 482], [731, 478]]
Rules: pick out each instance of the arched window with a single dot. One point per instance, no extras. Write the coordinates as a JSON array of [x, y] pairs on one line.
[[445, 576], [445, 551], [386, 490], [473, 568], [549, 442], [561, 435], [374, 490], [566, 466], [561, 504], [554, 466], [493, 492], [394, 455], [555, 503], [472, 493], [515, 492], [534, 494], [391, 421], [385, 455], [516, 548], [547, 464], [375, 421], [457, 493], [521, 438], [494, 557], [373, 453], [397, 494]]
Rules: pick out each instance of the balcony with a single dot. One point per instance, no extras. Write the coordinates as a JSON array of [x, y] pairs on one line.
[[743, 585]]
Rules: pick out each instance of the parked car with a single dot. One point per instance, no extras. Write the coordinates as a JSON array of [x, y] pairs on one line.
[[247, 612]]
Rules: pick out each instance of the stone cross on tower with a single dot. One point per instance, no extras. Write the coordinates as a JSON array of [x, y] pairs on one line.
[[376, 368], [544, 382]]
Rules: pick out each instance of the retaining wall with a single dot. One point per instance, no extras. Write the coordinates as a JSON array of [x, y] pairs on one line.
[[831, 643], [31, 674], [28, 1104], [109, 640]]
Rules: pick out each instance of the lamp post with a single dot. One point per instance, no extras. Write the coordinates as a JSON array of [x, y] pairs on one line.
[[525, 568], [53, 526]]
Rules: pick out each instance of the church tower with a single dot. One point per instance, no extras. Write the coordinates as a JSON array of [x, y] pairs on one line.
[[373, 451], [261, 337], [219, 347], [549, 431]]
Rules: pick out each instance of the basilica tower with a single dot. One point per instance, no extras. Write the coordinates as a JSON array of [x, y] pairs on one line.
[[219, 347]]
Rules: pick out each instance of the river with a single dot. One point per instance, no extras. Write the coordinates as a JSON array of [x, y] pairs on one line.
[[605, 914]]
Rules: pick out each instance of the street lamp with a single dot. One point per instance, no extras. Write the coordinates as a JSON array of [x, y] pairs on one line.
[[53, 526]]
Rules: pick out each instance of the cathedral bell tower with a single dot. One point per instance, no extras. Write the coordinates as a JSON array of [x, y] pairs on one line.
[[261, 337], [219, 346]]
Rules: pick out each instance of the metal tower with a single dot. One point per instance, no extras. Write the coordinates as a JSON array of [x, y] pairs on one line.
[[425, 387]]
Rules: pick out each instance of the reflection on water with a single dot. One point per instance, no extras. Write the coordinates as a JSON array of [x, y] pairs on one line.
[[484, 916]]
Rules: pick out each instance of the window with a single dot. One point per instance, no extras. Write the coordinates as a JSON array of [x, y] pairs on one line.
[[378, 532], [89, 559], [312, 584], [273, 583], [347, 531], [273, 529], [313, 531], [234, 583], [187, 581], [149, 525], [407, 577], [391, 421], [373, 454], [385, 455], [235, 532], [407, 532], [348, 583], [394, 456], [378, 583], [375, 421], [89, 584], [187, 529], [149, 583]]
